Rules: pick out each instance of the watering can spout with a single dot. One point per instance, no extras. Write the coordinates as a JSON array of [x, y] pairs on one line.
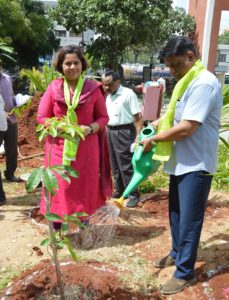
[[143, 165], [119, 202]]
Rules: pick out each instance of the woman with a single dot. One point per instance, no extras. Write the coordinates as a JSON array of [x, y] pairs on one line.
[[88, 192]]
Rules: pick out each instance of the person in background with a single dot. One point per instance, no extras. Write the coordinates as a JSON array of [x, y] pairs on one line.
[[3, 128], [191, 155], [125, 123], [10, 136], [94, 185]]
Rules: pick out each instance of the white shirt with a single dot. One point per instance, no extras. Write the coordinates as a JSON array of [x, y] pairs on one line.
[[122, 106], [3, 120], [201, 102]]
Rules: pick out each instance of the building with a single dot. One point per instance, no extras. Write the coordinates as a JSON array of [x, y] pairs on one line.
[[222, 60], [69, 37]]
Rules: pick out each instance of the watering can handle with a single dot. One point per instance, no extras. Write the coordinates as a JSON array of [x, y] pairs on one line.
[[139, 151]]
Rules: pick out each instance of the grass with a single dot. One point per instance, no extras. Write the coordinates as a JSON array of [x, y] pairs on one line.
[[7, 274], [220, 182], [160, 179]]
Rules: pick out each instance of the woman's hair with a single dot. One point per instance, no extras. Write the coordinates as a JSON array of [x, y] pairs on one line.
[[69, 50], [178, 46]]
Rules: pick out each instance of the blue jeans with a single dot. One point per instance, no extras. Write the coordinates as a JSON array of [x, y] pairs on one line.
[[188, 195]]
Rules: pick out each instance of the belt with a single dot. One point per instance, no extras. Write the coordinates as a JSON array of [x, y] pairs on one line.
[[123, 126]]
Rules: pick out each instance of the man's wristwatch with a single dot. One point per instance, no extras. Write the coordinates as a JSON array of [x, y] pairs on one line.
[[91, 131]]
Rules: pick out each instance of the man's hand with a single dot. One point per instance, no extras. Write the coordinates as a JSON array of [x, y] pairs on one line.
[[148, 144], [155, 124], [8, 115]]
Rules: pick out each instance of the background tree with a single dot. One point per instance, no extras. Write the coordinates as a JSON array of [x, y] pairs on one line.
[[224, 38], [117, 23], [122, 25], [25, 25]]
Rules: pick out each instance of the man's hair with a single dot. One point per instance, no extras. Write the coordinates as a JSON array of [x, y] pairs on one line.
[[70, 49], [178, 46], [115, 75]]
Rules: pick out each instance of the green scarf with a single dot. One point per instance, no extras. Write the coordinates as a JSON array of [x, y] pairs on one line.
[[70, 148], [163, 149]]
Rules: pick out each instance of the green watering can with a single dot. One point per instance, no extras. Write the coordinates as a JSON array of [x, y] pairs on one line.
[[142, 163]]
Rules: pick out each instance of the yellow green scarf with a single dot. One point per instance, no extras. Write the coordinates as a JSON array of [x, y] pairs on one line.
[[163, 149], [70, 148]]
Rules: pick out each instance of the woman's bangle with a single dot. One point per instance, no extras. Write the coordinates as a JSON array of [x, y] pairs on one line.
[[91, 131]]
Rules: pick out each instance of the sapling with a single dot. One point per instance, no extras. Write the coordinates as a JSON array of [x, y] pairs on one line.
[[47, 177]]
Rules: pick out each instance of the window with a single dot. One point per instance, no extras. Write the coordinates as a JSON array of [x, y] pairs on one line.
[[60, 33], [222, 57], [72, 34]]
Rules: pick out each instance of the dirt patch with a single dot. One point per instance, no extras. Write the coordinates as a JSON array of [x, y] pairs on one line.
[[85, 280], [28, 143], [124, 269]]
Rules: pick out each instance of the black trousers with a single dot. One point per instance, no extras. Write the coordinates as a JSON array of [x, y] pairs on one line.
[[120, 138], [10, 138]]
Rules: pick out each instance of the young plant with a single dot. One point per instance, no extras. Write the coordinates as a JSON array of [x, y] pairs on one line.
[[47, 177], [39, 80]]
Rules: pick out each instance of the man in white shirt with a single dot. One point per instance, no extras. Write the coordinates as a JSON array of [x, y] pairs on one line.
[[125, 123], [194, 137], [3, 128]]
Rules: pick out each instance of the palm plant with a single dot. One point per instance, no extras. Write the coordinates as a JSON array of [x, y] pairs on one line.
[[223, 172], [5, 51], [39, 80]]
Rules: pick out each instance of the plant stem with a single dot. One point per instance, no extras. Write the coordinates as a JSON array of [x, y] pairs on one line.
[[54, 249], [48, 201]]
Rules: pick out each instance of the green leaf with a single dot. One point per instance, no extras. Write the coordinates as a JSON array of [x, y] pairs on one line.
[[40, 127], [66, 137], [60, 244], [65, 177], [52, 217], [79, 214], [50, 181], [64, 227], [52, 131], [45, 242], [34, 179], [71, 250], [42, 134], [71, 172]]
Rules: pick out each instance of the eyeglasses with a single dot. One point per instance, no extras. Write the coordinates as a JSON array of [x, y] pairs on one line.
[[109, 84]]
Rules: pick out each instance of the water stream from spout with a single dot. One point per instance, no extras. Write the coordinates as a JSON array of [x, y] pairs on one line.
[[100, 229]]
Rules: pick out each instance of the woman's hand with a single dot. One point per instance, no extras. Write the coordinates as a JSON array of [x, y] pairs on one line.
[[148, 144], [86, 129]]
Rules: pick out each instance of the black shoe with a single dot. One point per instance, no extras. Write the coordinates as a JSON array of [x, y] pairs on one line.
[[116, 195], [133, 201], [13, 179], [2, 199]]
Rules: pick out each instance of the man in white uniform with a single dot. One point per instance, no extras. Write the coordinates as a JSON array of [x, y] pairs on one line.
[[194, 137], [125, 123]]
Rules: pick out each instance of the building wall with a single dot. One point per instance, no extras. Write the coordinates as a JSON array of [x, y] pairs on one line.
[[207, 14], [197, 9]]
